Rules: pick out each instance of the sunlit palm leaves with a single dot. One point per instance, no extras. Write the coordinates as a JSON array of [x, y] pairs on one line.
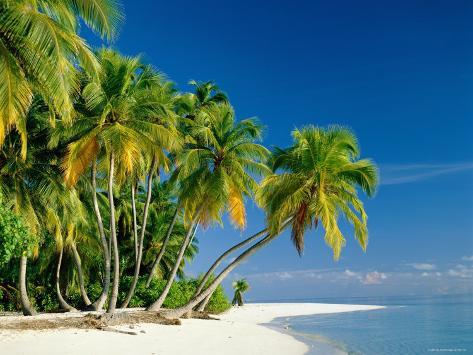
[[318, 181], [127, 111], [40, 52], [218, 165]]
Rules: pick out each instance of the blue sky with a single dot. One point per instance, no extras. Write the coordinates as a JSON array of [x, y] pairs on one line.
[[400, 73]]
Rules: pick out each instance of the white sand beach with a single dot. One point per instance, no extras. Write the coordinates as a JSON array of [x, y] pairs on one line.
[[239, 331]]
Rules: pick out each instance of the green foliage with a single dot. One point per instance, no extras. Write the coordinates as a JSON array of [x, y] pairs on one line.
[[44, 298], [40, 52], [318, 181], [240, 287], [180, 293], [15, 237], [218, 166], [113, 108]]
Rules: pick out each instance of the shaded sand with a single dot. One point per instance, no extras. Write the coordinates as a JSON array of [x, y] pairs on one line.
[[238, 332]]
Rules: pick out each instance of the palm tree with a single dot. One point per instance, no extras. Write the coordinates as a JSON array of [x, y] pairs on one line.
[[123, 118], [218, 261], [39, 53], [80, 274], [160, 218], [320, 174], [213, 171], [206, 94], [240, 287], [35, 189]]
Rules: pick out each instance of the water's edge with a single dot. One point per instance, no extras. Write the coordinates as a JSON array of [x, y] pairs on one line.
[[318, 345]]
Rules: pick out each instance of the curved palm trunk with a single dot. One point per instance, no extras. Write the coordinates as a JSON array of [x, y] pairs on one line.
[[80, 274], [159, 302], [163, 248], [98, 304], [113, 236], [217, 262], [178, 312], [62, 302], [205, 302], [149, 187], [27, 309], [135, 225]]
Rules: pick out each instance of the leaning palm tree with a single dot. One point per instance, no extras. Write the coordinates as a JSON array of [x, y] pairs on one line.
[[240, 287], [122, 123], [214, 172], [318, 182], [218, 261], [40, 52]]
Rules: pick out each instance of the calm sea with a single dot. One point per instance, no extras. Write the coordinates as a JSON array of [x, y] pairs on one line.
[[408, 325]]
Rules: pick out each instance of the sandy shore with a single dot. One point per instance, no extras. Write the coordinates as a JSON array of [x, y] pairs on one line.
[[239, 331]]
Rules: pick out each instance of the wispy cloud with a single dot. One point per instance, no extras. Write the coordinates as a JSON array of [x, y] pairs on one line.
[[327, 275], [414, 278], [395, 174], [423, 266], [373, 278], [461, 271], [468, 258]]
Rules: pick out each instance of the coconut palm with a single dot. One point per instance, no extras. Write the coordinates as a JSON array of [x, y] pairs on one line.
[[318, 181], [206, 94], [240, 287], [124, 123], [214, 171], [34, 186], [218, 261], [161, 241], [40, 52]]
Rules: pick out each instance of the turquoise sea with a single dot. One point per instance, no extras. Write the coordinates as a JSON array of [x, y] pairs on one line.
[[408, 325]]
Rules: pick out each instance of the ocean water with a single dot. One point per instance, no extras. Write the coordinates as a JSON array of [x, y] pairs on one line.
[[408, 325]]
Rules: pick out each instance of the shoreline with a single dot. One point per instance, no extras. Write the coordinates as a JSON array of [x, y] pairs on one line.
[[238, 331]]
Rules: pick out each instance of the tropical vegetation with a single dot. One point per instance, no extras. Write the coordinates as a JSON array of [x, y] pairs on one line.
[[108, 173], [240, 287]]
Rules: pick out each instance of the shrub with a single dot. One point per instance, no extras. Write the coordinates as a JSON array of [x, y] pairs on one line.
[[44, 298], [15, 238], [180, 293]]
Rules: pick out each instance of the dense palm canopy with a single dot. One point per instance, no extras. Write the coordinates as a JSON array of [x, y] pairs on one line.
[[217, 166], [320, 175], [40, 53], [123, 168], [127, 113]]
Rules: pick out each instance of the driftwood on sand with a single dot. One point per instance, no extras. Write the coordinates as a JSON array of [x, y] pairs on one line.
[[96, 321], [90, 321]]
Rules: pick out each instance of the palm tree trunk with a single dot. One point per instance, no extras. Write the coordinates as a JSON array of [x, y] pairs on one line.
[[98, 304], [163, 248], [135, 225], [178, 312], [28, 310], [217, 262], [205, 302], [80, 274], [113, 236], [159, 302], [62, 302], [149, 187]]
